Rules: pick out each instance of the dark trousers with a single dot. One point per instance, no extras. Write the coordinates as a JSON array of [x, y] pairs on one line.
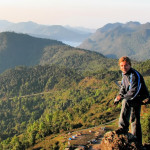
[[131, 111]]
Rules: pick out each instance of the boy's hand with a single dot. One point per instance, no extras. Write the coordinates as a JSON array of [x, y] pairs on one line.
[[117, 99]]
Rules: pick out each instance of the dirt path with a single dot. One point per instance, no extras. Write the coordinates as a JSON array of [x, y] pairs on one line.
[[42, 93], [96, 146]]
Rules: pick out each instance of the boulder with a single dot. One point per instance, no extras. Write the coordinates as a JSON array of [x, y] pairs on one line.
[[119, 141]]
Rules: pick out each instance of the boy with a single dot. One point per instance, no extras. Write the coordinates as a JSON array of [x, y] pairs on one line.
[[132, 92]]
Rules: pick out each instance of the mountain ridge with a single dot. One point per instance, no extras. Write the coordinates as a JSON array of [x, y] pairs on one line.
[[115, 40], [56, 32], [22, 49]]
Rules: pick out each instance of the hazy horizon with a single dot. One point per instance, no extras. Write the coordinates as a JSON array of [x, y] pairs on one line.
[[76, 13]]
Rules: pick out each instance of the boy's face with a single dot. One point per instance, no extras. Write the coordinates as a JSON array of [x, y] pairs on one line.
[[125, 67]]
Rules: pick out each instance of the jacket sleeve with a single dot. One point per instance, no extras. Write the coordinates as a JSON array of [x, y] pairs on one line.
[[122, 90]]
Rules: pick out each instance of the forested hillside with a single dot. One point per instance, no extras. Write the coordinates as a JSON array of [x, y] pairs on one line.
[[24, 50], [52, 88], [78, 59], [43, 100], [116, 40], [21, 49]]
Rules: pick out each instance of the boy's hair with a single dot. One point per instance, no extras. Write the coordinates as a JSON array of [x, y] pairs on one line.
[[125, 58]]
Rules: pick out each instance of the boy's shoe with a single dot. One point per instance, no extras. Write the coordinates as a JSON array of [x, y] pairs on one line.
[[121, 131]]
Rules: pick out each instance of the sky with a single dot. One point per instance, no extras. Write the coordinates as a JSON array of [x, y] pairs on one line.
[[76, 13]]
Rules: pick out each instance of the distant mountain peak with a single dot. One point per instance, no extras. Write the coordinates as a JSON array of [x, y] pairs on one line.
[[133, 22], [109, 27], [56, 32], [114, 40]]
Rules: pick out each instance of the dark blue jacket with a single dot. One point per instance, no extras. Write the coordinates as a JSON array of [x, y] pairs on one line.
[[133, 86]]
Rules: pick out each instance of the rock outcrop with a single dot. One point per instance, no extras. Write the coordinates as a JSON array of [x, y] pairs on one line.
[[120, 141]]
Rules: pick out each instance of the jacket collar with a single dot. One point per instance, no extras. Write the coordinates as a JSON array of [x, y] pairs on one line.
[[128, 72]]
